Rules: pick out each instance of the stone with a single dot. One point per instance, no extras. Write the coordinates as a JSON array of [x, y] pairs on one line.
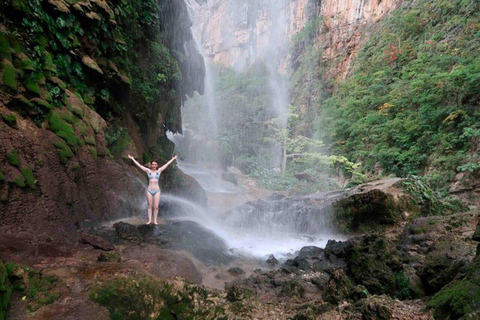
[[272, 260], [96, 242], [236, 271], [311, 252]]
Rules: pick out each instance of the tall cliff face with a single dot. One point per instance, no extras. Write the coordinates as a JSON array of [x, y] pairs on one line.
[[236, 33], [83, 84]]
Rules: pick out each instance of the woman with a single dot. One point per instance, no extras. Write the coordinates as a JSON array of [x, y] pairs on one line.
[[153, 190]]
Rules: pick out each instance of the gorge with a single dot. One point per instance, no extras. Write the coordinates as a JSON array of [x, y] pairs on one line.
[[328, 159]]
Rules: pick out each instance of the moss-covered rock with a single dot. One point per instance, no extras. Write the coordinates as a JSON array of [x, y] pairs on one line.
[[5, 291], [111, 256], [31, 84], [460, 299], [89, 62], [62, 129], [41, 103], [10, 120], [122, 143], [64, 151], [20, 181], [4, 47], [9, 77], [375, 263], [20, 5], [13, 158], [444, 260], [28, 176], [48, 62]]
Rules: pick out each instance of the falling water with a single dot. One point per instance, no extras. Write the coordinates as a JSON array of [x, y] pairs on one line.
[[278, 227]]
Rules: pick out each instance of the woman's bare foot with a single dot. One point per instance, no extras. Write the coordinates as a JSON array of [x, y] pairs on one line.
[[155, 223], [148, 222]]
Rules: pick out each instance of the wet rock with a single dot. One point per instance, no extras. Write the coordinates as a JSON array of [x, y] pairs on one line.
[[272, 260], [377, 307], [302, 263], [96, 242], [236, 271], [375, 263], [370, 206], [443, 262], [179, 235], [311, 252]]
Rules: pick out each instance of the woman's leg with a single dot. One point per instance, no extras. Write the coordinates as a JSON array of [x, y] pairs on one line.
[[156, 202], [150, 206]]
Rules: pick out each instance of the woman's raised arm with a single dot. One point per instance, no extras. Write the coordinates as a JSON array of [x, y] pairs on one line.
[[167, 164], [139, 165]]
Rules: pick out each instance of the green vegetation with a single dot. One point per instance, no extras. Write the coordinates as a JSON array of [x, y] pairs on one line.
[[9, 77], [111, 256], [147, 298], [460, 299], [10, 120], [39, 290], [27, 173], [5, 291], [64, 151], [13, 158], [411, 104]]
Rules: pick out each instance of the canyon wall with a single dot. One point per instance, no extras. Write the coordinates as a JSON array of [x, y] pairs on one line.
[[237, 33], [82, 85]]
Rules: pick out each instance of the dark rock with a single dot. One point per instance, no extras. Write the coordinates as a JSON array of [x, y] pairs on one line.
[[377, 307], [272, 260], [442, 263], [311, 252], [336, 248], [96, 242], [109, 257], [375, 263], [339, 287], [476, 234], [302, 263], [236, 271], [460, 299]]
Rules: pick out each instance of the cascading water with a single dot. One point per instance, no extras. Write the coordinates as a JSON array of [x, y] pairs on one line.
[[275, 226]]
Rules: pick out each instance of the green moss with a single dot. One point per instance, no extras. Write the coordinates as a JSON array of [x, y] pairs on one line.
[[68, 116], [10, 120], [292, 288], [32, 86], [64, 151], [13, 158], [9, 77], [93, 152], [121, 144], [5, 291], [29, 178], [42, 41], [20, 182], [163, 301], [20, 5], [62, 129], [87, 99], [42, 104], [59, 82], [90, 141], [4, 47], [111, 256], [39, 290], [71, 140], [48, 62], [25, 62]]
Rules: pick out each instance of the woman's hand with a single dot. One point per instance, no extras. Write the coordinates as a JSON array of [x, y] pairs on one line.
[[175, 157], [131, 157]]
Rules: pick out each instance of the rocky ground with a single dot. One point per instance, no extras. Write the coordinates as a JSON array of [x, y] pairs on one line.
[[416, 266]]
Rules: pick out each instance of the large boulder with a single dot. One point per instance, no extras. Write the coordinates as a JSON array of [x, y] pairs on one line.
[[371, 206]]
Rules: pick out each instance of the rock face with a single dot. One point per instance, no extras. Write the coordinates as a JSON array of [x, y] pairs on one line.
[[70, 113], [238, 33], [370, 206]]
